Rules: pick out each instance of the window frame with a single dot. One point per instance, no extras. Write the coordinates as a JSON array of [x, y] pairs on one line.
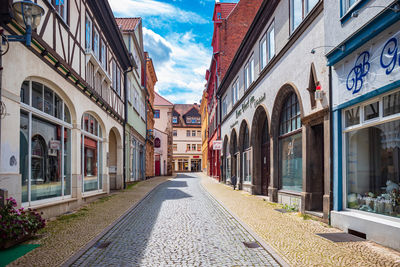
[[32, 112], [235, 91], [157, 114], [249, 75], [305, 11]]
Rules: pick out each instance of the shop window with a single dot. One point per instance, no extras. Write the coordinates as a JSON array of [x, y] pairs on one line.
[[373, 169], [193, 147], [246, 158], [188, 147], [373, 156], [391, 104], [290, 145], [46, 141], [371, 111], [352, 116], [91, 149], [198, 147]]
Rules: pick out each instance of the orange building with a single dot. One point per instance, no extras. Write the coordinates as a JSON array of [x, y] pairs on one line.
[[151, 79]]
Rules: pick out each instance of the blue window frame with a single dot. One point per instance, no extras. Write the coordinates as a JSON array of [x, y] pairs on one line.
[[157, 114]]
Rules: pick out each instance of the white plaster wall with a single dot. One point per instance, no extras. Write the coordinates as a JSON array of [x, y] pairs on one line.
[[293, 68], [21, 64], [343, 31]]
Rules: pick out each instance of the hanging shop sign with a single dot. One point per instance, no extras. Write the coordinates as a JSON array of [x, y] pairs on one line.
[[217, 145], [373, 67]]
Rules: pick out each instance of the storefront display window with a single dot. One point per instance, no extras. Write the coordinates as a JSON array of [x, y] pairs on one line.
[[91, 149], [290, 146], [45, 145], [246, 157], [373, 160]]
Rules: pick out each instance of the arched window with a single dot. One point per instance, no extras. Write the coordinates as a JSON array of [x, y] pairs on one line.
[[91, 149], [157, 142], [45, 144], [290, 145]]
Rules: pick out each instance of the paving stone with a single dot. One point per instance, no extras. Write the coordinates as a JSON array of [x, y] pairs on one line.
[[296, 239], [178, 224]]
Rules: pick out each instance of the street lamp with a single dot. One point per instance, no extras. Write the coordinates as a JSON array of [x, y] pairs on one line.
[[29, 14]]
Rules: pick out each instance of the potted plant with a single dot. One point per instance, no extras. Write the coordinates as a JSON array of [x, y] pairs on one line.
[[17, 225]]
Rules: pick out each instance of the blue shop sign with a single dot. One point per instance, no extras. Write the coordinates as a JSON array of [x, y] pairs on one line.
[[388, 60]]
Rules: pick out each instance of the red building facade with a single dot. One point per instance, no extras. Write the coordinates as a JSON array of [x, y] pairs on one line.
[[231, 22]]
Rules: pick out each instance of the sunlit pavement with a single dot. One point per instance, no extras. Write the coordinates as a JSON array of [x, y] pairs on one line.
[[178, 224]]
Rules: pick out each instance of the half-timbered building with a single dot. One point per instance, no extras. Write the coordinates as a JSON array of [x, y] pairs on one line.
[[61, 137]]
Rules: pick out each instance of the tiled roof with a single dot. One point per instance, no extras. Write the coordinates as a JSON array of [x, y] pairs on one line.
[[182, 109], [161, 101], [226, 9], [127, 24]]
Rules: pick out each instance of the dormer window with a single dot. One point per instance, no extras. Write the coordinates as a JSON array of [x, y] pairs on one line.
[[194, 120], [174, 119], [188, 119], [219, 15]]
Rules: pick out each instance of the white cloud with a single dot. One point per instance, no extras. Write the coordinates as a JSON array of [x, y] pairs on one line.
[[153, 8], [181, 73]]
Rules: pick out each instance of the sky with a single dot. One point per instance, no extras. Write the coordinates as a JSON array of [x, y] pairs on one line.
[[177, 34]]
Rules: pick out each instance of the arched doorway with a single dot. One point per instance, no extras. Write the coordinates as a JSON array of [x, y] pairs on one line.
[[112, 154], [244, 170], [234, 153], [226, 161], [260, 141]]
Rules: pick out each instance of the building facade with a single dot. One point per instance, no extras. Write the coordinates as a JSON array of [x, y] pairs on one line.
[[204, 132], [231, 22], [151, 80], [65, 96], [186, 122], [135, 107], [366, 117], [162, 135], [274, 125]]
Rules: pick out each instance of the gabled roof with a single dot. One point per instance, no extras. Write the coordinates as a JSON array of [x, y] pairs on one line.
[[127, 24], [188, 109], [226, 9], [161, 101]]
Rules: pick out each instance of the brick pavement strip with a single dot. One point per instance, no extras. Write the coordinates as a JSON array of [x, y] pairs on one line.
[[67, 235], [293, 237], [178, 224]]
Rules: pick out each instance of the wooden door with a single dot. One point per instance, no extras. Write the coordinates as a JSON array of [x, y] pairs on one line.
[[157, 165], [265, 163]]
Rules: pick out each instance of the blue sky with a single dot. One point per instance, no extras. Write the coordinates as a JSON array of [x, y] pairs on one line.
[[177, 34]]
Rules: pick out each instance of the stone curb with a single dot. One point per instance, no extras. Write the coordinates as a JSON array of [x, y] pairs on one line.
[[83, 250], [261, 241]]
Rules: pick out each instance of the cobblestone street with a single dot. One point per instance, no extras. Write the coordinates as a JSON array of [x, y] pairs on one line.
[[178, 224]]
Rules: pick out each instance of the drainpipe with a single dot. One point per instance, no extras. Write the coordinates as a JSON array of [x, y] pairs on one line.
[[125, 122], [330, 140], [145, 115]]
